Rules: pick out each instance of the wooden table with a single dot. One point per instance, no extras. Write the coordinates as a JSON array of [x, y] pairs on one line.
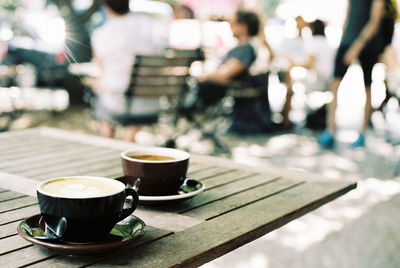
[[240, 203]]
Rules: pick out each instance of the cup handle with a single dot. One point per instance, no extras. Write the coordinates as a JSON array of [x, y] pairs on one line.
[[132, 206]]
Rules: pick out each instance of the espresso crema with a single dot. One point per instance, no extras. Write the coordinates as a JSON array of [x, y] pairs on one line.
[[81, 187]]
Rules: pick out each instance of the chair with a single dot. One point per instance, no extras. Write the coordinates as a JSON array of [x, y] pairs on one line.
[[241, 107], [156, 76], [251, 113]]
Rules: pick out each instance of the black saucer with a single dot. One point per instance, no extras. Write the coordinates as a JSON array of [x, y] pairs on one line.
[[187, 190], [123, 233]]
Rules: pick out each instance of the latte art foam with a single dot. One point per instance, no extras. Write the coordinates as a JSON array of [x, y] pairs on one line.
[[80, 187], [79, 190]]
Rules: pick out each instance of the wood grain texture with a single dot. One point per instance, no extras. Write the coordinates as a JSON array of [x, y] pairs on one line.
[[209, 171], [225, 178], [218, 193], [13, 204], [12, 243], [9, 195], [166, 221], [55, 157], [75, 166], [241, 199], [151, 234], [19, 214], [25, 256], [8, 229], [41, 157], [211, 239]]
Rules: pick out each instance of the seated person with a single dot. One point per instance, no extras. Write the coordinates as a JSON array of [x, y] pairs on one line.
[[293, 51], [235, 64], [318, 60], [115, 45]]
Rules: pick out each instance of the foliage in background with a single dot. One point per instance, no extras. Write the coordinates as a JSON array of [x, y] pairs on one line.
[[9, 5]]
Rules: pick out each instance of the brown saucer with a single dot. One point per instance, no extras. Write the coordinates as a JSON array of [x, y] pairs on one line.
[[123, 233]]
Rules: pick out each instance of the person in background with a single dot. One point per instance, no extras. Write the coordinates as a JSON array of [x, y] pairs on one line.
[[295, 52], [358, 42], [236, 62], [320, 58], [115, 45]]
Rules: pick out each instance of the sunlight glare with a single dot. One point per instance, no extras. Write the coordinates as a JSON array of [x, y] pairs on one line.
[[50, 29], [6, 34]]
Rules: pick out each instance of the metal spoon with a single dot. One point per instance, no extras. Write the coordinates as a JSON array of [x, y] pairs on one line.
[[189, 185], [136, 185], [49, 233]]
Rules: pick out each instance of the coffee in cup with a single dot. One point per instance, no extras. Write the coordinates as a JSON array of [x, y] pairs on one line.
[[87, 207], [161, 170]]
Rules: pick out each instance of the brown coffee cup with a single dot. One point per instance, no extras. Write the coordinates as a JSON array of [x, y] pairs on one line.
[[161, 170]]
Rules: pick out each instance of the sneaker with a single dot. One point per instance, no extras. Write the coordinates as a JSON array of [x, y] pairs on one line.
[[359, 142], [326, 140]]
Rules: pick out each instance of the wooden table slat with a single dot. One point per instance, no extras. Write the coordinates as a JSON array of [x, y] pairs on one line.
[[198, 168], [217, 193], [76, 167], [13, 204], [8, 229], [33, 140], [25, 256], [38, 147], [241, 199], [151, 234], [12, 243], [209, 172], [8, 195], [224, 178], [20, 214], [164, 220], [33, 155], [55, 157], [211, 239]]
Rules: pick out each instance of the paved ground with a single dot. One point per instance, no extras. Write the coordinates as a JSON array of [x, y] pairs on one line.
[[358, 230]]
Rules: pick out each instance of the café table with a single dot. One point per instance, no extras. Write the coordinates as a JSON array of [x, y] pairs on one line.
[[240, 203]]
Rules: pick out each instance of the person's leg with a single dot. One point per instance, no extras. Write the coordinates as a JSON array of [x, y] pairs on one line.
[[106, 129], [388, 95], [131, 131], [288, 101], [327, 140], [367, 109], [331, 116], [368, 58], [360, 141]]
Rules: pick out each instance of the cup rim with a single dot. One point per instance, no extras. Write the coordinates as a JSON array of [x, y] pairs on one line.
[[156, 150], [40, 190]]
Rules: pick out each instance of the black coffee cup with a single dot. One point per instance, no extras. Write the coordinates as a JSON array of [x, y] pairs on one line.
[[84, 208]]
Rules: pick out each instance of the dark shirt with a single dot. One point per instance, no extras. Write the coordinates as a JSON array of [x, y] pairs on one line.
[[245, 54], [358, 17]]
